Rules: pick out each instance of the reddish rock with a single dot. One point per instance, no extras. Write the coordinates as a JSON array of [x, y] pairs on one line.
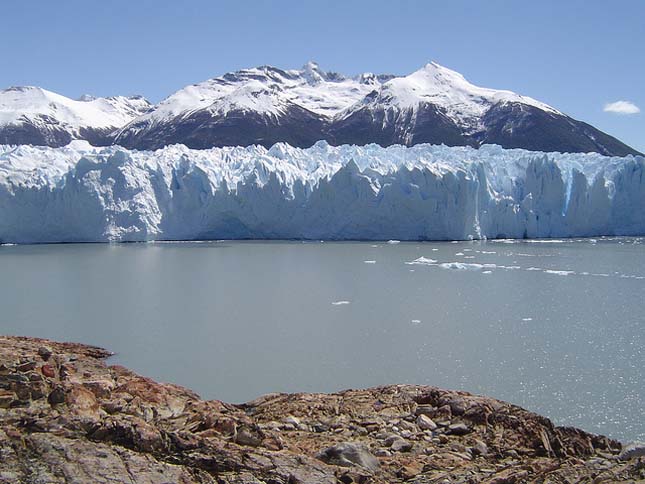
[[48, 371]]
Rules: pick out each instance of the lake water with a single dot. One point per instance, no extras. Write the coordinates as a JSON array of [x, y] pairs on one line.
[[555, 326]]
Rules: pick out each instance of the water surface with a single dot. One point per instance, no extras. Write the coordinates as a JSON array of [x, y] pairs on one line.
[[554, 326]]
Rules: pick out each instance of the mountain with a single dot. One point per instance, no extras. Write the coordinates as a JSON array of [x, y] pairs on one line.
[[434, 105], [31, 115], [266, 105]]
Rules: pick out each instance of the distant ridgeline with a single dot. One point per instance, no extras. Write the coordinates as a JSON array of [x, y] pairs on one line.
[[81, 193], [266, 105]]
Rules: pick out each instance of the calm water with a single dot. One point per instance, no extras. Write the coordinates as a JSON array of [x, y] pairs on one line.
[[233, 320]]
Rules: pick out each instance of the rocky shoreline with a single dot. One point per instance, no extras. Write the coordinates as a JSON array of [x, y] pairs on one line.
[[68, 417]]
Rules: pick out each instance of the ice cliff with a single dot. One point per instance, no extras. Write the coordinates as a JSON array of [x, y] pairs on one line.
[[83, 193]]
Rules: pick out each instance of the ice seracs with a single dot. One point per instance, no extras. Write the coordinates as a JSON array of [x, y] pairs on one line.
[[83, 193]]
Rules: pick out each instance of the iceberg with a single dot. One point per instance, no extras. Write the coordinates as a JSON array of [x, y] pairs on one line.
[[81, 193]]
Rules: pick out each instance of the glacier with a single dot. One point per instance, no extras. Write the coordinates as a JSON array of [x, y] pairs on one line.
[[81, 193]]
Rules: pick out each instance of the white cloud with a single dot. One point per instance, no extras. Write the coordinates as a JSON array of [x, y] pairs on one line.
[[622, 107]]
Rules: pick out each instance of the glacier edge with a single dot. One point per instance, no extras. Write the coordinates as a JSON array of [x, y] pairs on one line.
[[81, 193]]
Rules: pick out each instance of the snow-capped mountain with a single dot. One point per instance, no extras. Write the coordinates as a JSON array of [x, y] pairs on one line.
[[435, 105], [31, 115], [266, 105]]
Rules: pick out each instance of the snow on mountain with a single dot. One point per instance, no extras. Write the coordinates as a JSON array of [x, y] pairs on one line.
[[35, 112], [436, 105], [266, 105], [84, 193], [461, 101]]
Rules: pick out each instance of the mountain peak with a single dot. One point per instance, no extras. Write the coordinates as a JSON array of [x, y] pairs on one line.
[[312, 72]]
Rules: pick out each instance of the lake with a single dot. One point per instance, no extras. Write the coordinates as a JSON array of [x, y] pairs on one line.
[[556, 326]]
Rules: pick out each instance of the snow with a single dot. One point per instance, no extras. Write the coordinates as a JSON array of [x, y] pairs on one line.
[[18, 104], [462, 101], [265, 90], [268, 91], [85, 193]]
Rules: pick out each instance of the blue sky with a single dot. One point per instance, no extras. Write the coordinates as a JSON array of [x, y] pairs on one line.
[[577, 55]]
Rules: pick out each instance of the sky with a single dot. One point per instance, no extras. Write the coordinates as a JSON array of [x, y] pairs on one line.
[[584, 57]]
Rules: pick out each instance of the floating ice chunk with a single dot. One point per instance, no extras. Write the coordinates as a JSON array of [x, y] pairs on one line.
[[467, 266], [487, 272], [393, 242], [416, 321], [422, 261], [559, 273], [459, 253], [527, 319], [340, 303], [369, 261], [533, 268]]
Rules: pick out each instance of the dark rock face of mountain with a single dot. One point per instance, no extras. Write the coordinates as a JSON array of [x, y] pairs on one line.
[[201, 129], [45, 133], [387, 126], [516, 125]]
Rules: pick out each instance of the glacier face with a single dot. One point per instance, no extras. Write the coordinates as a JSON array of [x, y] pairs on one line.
[[81, 193]]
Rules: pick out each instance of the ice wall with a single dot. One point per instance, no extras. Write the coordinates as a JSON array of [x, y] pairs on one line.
[[83, 193]]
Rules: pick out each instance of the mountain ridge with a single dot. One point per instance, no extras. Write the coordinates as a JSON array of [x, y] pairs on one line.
[[265, 105]]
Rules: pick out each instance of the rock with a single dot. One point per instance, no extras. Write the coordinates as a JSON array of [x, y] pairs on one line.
[[6, 398], [480, 448], [458, 429], [45, 352], [425, 423], [410, 470], [249, 437], [512, 453], [425, 410], [48, 371], [405, 425], [349, 454], [457, 406], [26, 366], [291, 420], [401, 445], [121, 427], [56, 396], [82, 402], [632, 451], [442, 413]]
